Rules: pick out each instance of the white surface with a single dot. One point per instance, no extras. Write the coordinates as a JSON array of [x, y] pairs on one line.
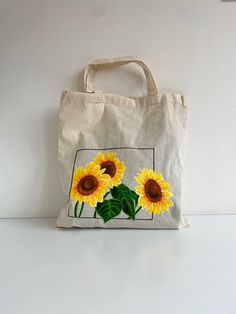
[[191, 48], [46, 270]]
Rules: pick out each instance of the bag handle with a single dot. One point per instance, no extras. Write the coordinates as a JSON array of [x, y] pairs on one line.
[[104, 63]]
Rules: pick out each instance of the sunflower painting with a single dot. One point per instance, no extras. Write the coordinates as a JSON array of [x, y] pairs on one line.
[[99, 184], [112, 165], [153, 192], [89, 184]]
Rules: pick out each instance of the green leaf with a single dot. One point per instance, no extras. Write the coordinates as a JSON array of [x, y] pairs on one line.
[[128, 198], [109, 209], [135, 197]]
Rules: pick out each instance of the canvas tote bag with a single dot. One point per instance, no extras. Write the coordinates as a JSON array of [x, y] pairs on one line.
[[121, 158]]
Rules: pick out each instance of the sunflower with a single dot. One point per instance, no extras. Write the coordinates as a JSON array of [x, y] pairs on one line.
[[112, 165], [153, 191], [89, 184]]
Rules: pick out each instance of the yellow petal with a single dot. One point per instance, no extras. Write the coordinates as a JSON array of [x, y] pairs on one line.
[[141, 177], [164, 185], [99, 158], [168, 203], [105, 177], [95, 169], [145, 174], [89, 167], [92, 200], [78, 197], [142, 201], [111, 155], [163, 205], [78, 173], [158, 177], [166, 193], [99, 196], [150, 174], [157, 208], [149, 205], [139, 189]]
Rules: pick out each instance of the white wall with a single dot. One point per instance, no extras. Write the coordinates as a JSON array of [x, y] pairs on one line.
[[190, 46]]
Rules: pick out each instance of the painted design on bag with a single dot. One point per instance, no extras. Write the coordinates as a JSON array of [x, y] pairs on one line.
[[99, 185], [112, 165], [153, 192]]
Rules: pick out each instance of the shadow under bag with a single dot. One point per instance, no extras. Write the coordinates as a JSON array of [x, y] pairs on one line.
[[121, 158]]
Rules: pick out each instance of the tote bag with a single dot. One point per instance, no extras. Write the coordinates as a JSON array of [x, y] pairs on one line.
[[121, 158]]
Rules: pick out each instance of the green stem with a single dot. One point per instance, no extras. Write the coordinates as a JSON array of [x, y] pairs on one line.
[[135, 213], [106, 194], [95, 212], [81, 209], [76, 209], [138, 210]]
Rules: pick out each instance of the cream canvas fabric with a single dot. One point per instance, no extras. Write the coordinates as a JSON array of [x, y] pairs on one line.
[[116, 138]]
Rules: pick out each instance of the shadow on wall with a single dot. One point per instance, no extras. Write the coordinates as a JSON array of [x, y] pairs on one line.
[[51, 198]]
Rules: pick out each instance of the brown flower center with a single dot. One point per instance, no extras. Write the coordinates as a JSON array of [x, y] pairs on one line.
[[152, 191], [110, 168], [87, 185]]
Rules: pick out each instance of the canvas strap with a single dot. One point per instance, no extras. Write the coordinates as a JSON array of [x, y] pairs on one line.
[[105, 63]]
